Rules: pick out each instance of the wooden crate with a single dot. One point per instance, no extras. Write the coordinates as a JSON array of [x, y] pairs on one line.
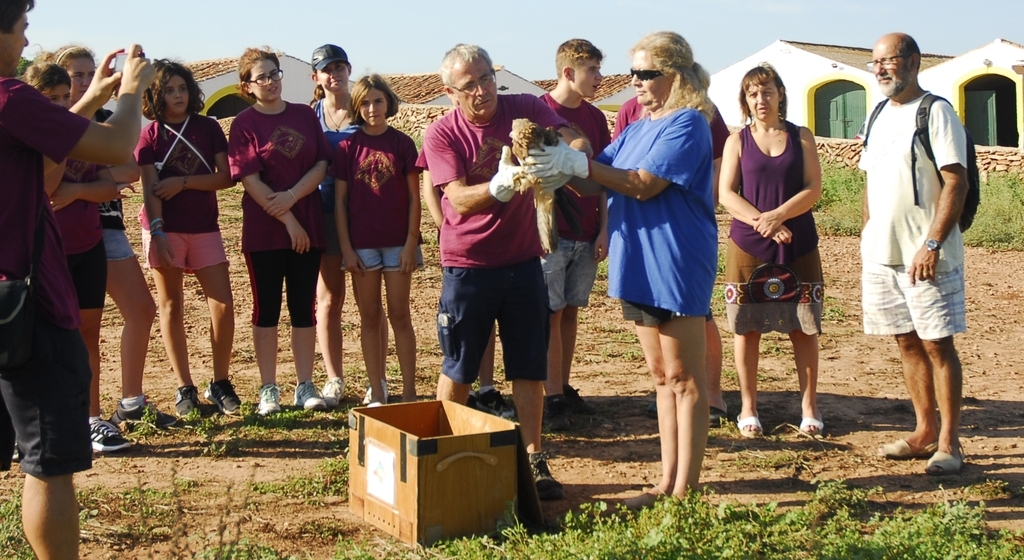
[[430, 470]]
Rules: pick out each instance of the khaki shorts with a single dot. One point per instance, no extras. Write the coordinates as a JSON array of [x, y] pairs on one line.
[[935, 309]]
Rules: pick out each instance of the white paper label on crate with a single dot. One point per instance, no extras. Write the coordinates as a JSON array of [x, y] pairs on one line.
[[380, 472]]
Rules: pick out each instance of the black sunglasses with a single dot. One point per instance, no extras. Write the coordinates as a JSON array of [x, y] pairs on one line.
[[645, 75]]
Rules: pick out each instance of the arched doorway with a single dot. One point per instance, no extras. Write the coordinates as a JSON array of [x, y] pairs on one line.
[[840, 107], [990, 110], [228, 106]]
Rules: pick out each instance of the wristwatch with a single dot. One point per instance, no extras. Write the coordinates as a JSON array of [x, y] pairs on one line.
[[932, 245]]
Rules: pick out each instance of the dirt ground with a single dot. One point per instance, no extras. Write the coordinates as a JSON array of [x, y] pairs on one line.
[[609, 456]]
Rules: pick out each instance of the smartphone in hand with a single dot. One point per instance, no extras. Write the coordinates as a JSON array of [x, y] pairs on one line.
[[119, 62]]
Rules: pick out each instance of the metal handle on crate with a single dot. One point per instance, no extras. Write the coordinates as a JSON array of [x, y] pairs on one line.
[[489, 459]]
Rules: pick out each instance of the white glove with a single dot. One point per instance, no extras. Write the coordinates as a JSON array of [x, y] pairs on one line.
[[553, 181], [548, 160], [501, 186]]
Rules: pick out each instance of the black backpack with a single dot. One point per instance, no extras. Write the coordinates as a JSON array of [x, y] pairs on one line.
[[973, 177]]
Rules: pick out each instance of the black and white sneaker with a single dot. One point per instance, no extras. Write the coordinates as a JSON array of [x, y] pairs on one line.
[[138, 414], [222, 394], [186, 400], [492, 402], [106, 437], [547, 487]]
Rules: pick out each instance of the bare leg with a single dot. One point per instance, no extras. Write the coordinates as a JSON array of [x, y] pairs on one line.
[[948, 383], [216, 285], [383, 324], [90, 329], [169, 293], [568, 327], [805, 352], [713, 364], [677, 365], [553, 384], [747, 348], [529, 397], [127, 287], [49, 514], [399, 285], [303, 350], [449, 390], [918, 375], [330, 294], [264, 341], [366, 286]]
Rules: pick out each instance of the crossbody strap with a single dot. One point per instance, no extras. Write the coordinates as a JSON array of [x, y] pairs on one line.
[[37, 248]]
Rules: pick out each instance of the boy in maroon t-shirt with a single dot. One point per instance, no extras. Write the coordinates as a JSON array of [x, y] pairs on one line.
[[44, 402], [570, 271]]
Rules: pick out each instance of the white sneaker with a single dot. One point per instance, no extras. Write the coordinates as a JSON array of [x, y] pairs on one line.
[[308, 397], [370, 398], [270, 399], [334, 391]]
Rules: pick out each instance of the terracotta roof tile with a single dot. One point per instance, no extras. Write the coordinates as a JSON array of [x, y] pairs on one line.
[[610, 85], [416, 88], [206, 69], [858, 57]]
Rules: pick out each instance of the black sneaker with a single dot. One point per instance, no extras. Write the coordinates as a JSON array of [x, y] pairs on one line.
[[222, 394], [106, 437], [137, 414], [186, 400], [575, 402], [556, 413], [547, 487], [492, 402]]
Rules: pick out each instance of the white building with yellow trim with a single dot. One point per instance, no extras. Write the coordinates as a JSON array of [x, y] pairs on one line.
[[831, 91]]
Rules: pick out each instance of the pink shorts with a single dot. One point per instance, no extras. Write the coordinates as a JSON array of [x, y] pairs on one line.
[[192, 251]]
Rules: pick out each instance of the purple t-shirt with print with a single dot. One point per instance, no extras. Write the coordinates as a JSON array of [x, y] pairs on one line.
[[376, 171], [501, 234], [31, 127], [189, 211], [281, 148], [79, 221]]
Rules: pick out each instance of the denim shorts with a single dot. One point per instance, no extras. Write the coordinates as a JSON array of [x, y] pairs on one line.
[[569, 273], [472, 299], [386, 258], [117, 245]]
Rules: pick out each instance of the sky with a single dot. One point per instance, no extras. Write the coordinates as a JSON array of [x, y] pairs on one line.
[[405, 36]]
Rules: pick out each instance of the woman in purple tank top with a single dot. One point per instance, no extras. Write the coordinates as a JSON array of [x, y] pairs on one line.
[[770, 179]]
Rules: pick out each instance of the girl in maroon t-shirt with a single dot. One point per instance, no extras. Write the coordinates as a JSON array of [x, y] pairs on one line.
[[74, 198], [377, 207], [278, 151], [183, 166]]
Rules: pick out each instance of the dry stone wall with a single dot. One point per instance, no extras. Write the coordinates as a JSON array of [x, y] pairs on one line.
[[990, 158]]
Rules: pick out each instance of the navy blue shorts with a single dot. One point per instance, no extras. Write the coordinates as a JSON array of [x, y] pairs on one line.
[[472, 299], [45, 403]]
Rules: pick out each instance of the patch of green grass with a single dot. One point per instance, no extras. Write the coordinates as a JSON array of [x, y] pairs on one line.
[[241, 550], [12, 537], [838, 212], [999, 223], [330, 479]]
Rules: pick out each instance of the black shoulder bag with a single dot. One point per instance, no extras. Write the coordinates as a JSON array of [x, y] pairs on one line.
[[17, 310]]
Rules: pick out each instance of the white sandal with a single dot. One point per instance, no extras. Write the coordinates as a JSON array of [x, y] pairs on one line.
[[748, 422], [810, 422]]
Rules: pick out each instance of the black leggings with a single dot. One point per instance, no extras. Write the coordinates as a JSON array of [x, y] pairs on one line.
[[267, 273]]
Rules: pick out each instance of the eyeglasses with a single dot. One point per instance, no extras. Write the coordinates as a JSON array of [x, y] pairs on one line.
[[274, 76], [645, 75], [480, 84], [886, 62]]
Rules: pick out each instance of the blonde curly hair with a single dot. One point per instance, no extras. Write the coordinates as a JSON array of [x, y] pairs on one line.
[[672, 55]]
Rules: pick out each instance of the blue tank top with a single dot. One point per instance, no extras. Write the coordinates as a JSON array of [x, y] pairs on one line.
[[768, 182], [334, 137]]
